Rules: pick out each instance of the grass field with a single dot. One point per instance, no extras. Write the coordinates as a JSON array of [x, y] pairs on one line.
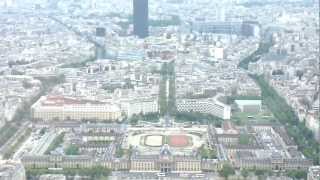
[[242, 118]]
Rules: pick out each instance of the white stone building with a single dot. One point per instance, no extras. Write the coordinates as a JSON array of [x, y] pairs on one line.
[[209, 106], [142, 105], [49, 108]]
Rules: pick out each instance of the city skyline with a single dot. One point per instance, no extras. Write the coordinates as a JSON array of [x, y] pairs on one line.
[[167, 89]]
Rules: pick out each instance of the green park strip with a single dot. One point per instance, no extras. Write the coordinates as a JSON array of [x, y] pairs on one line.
[[286, 116], [7, 131], [167, 105], [255, 56], [13, 149], [11, 128], [282, 111]]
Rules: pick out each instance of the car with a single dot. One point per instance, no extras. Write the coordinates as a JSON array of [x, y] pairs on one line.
[[161, 174], [199, 175], [55, 169], [184, 175]]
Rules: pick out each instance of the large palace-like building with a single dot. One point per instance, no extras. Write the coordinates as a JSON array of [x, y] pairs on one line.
[[176, 148]]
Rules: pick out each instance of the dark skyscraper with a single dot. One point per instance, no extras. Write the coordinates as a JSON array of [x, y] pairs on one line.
[[100, 32], [140, 18], [100, 45]]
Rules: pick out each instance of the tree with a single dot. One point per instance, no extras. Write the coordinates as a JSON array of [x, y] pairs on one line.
[[42, 131], [55, 143], [245, 173], [163, 96], [72, 150], [207, 153], [26, 84], [96, 172], [259, 172], [299, 74], [285, 114], [172, 89], [120, 152], [199, 118], [134, 119], [255, 56], [163, 106], [99, 172], [150, 117], [244, 139], [226, 171], [306, 102], [7, 131], [167, 104], [297, 174]]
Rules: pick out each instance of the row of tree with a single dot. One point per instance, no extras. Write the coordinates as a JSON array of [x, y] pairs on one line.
[[255, 56], [197, 117], [167, 89], [24, 111], [285, 114], [97, 172], [7, 131], [191, 117], [55, 143], [13, 149], [281, 110]]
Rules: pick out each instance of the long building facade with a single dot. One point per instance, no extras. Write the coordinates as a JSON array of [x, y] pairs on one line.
[[54, 108], [140, 106], [273, 163], [245, 28], [165, 162], [204, 106], [159, 163]]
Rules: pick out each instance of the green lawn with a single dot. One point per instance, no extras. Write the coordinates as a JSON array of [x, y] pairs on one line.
[[241, 118]]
